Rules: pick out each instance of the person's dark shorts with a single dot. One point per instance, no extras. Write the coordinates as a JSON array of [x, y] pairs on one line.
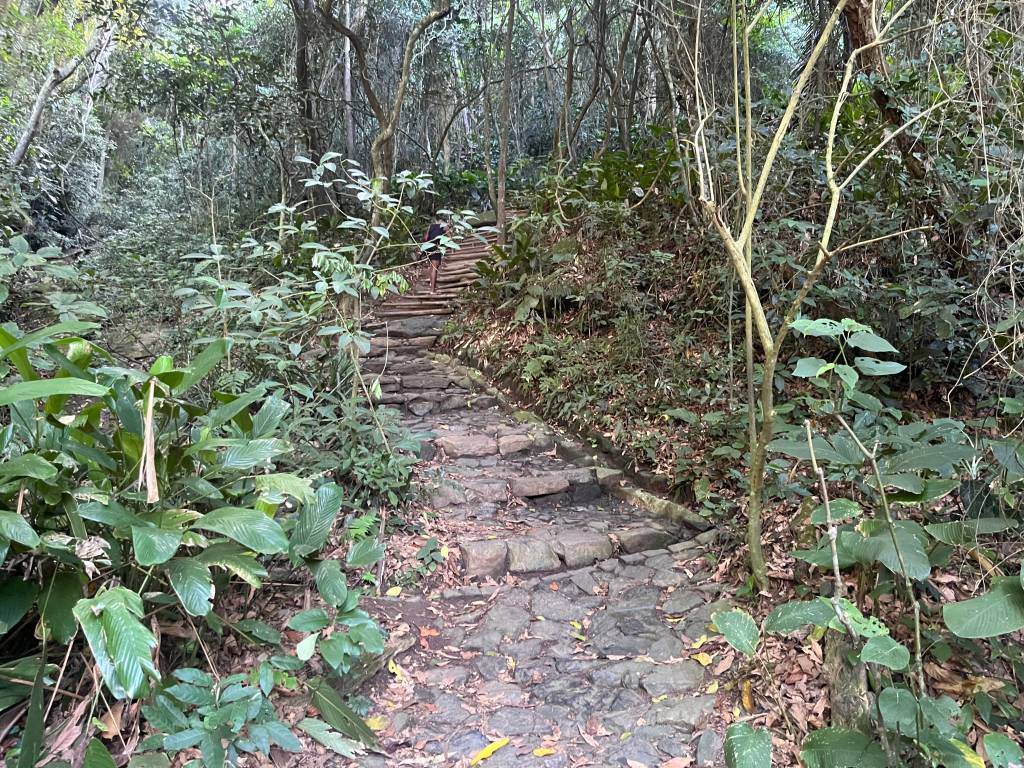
[[435, 256]]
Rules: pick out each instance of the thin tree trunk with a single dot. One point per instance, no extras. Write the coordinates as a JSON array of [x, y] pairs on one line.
[[350, 120], [503, 127]]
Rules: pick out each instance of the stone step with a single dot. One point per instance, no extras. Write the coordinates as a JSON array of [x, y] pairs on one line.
[[567, 549]]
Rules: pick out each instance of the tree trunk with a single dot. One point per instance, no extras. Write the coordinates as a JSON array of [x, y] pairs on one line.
[[350, 120], [503, 124]]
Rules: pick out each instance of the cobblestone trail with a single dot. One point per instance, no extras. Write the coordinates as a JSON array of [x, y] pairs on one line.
[[573, 634]]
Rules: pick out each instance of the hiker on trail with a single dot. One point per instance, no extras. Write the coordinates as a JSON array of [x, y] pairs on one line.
[[435, 250]]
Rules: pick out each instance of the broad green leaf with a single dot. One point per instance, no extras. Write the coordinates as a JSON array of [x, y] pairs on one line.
[[112, 514], [16, 598], [28, 465], [899, 710], [936, 458], [739, 630], [840, 748], [808, 367], [32, 736], [281, 485], [363, 553], [998, 612], [44, 388], [246, 526], [316, 519], [192, 583], [869, 342], [932, 489], [330, 582], [870, 366], [97, 756], [150, 760], [310, 620], [797, 614], [239, 561], [121, 645], [1002, 751], [338, 714], [204, 362], [842, 509], [747, 747], [820, 327], [849, 376], [885, 651], [154, 546], [57, 602], [16, 528], [259, 631], [307, 647], [334, 741], [907, 549], [965, 533], [247, 454]]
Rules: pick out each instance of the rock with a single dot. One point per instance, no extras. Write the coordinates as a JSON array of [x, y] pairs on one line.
[[642, 539], [424, 381], [413, 326], [484, 559], [488, 490], [585, 581], [531, 556], [447, 495], [555, 608], [686, 712], [512, 721], [665, 649], [483, 402], [467, 445], [673, 679], [538, 485], [509, 444], [709, 749], [579, 548], [681, 601], [608, 477], [420, 407]]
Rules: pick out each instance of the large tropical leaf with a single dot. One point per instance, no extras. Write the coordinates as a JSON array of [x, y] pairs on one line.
[[16, 528], [840, 748], [338, 714], [16, 598], [44, 388], [121, 645], [316, 519], [739, 630], [235, 559], [28, 465], [330, 738], [192, 583], [747, 747], [154, 546], [203, 363], [885, 651], [998, 612], [246, 526]]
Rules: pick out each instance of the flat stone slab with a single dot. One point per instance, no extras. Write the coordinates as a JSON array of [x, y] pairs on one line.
[[673, 679], [531, 556], [538, 485], [510, 444], [457, 446], [484, 559], [643, 539], [578, 549]]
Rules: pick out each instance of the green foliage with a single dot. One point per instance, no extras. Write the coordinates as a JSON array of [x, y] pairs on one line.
[[747, 747], [222, 718]]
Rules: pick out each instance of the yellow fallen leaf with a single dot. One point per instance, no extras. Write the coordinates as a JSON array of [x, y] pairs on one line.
[[704, 659], [747, 696], [713, 688], [736, 713], [575, 624], [377, 722], [543, 751], [489, 750], [444, 552], [393, 592], [699, 641], [656, 699], [395, 670], [625, 735]]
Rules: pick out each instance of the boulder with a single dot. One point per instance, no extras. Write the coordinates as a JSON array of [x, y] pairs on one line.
[[467, 445], [539, 485], [484, 559]]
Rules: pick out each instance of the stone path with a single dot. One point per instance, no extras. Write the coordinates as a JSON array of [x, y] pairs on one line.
[[573, 633]]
